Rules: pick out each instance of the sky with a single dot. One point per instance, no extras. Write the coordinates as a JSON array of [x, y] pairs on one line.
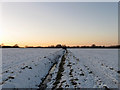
[[51, 23]]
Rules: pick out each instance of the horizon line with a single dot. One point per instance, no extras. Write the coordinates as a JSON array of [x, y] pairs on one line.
[[54, 45]]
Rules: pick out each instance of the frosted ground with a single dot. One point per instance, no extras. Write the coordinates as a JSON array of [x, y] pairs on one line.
[[57, 68], [24, 68]]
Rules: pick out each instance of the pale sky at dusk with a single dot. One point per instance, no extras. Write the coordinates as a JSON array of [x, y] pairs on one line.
[[50, 23]]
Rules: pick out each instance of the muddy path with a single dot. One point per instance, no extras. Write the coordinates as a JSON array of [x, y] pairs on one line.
[[49, 76], [47, 79], [60, 71]]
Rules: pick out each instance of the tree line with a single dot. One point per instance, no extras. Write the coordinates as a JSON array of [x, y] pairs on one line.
[[60, 46]]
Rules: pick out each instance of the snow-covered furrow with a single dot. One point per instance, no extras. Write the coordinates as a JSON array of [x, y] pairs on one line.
[[54, 79], [30, 73], [51, 77]]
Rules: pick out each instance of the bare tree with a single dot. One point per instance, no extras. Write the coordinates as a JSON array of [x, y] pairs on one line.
[[16, 46], [93, 45]]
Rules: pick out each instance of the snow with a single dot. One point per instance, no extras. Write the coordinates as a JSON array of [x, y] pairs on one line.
[[102, 62], [88, 68], [74, 68], [24, 68]]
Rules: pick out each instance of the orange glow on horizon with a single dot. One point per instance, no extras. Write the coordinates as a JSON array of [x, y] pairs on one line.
[[70, 24], [51, 44]]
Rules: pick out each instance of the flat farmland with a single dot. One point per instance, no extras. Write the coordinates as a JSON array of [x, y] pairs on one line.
[[59, 68]]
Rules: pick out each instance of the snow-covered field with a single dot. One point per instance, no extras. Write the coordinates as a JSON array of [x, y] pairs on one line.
[[102, 62], [73, 68], [25, 68], [88, 68]]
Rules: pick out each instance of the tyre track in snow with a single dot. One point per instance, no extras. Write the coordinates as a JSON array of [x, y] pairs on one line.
[[60, 71], [70, 72], [77, 75], [48, 77]]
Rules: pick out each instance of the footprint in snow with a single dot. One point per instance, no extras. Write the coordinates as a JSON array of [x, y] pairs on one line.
[[30, 68], [118, 72], [66, 85], [90, 72], [81, 70], [11, 77], [111, 68], [6, 71], [106, 87], [82, 74]]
